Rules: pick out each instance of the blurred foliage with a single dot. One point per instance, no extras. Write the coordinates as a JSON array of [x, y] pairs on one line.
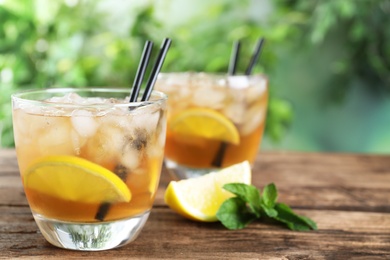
[[361, 30], [50, 43], [71, 43]]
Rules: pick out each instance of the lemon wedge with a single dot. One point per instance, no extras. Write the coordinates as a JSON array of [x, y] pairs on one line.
[[200, 198], [75, 179], [206, 123]]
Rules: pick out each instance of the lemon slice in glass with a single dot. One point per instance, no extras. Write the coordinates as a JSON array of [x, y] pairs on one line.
[[75, 179], [206, 123], [200, 198]]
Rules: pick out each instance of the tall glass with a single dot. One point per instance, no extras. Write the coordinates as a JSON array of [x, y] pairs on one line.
[[214, 120], [90, 162]]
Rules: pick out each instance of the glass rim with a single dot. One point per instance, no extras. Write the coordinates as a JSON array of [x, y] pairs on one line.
[[238, 81], [23, 96], [212, 74]]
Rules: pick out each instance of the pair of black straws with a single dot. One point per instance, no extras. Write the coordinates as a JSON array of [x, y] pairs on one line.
[[253, 60], [139, 76], [142, 68], [219, 156]]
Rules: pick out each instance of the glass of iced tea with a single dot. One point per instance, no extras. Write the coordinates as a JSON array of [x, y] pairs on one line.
[[214, 120], [90, 162]]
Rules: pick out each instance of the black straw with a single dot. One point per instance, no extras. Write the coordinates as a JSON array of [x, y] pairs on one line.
[[218, 159], [102, 211], [156, 69], [120, 170], [139, 76], [234, 58], [255, 56]]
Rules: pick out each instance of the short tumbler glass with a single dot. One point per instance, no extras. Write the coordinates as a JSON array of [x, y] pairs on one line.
[[214, 120], [90, 162]]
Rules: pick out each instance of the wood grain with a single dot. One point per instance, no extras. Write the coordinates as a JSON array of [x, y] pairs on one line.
[[348, 195]]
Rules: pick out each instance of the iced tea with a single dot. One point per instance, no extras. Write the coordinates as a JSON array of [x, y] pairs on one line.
[[90, 162], [213, 120]]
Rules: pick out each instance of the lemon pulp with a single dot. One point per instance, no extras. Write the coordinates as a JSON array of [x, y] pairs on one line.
[[206, 123], [75, 179]]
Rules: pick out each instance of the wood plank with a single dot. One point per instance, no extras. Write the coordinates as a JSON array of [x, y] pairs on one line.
[[310, 169], [8, 163], [329, 181], [168, 235]]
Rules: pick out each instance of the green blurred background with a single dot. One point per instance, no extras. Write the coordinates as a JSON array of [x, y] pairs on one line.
[[328, 61]]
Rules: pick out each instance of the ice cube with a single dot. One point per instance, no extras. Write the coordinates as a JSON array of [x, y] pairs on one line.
[[113, 119], [255, 92], [77, 141], [33, 124], [157, 140], [238, 82], [162, 129], [27, 107], [183, 93], [154, 150], [74, 98], [208, 96], [172, 83], [156, 146], [254, 116], [96, 100], [56, 139], [167, 87], [145, 120], [135, 148], [106, 144], [84, 123], [71, 98], [22, 133], [130, 158], [235, 112], [176, 87], [235, 105]]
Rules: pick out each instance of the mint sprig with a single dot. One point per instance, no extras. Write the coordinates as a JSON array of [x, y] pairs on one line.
[[248, 205]]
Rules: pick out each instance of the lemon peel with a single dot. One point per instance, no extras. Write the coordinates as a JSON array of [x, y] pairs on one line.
[[200, 198], [75, 179]]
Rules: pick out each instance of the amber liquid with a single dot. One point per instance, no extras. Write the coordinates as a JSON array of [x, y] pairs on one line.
[[201, 153], [31, 145], [197, 152], [142, 187]]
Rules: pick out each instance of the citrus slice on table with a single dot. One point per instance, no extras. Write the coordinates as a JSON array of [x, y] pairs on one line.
[[75, 179], [200, 198], [206, 123]]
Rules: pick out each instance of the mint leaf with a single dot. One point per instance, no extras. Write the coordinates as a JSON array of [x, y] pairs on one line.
[[270, 212], [234, 214], [248, 205], [293, 220], [269, 196], [248, 193], [268, 200]]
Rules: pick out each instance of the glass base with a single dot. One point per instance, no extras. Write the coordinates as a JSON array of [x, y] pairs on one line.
[[91, 236], [179, 172]]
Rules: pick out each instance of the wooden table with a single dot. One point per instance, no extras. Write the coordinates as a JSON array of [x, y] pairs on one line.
[[347, 195]]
